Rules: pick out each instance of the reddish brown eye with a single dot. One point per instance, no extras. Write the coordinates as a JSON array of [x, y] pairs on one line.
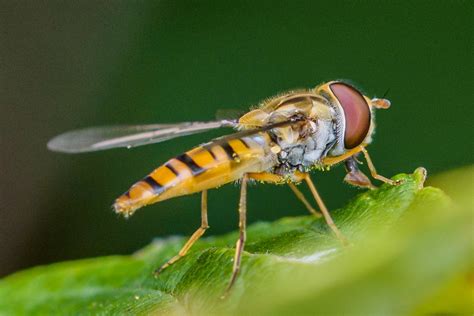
[[356, 111]]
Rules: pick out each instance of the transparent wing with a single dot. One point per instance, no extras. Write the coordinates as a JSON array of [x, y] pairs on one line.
[[107, 137], [229, 114]]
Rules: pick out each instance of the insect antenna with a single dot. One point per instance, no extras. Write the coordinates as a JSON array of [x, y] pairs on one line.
[[386, 93]]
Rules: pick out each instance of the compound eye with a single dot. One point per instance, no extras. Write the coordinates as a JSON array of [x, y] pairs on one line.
[[356, 112]]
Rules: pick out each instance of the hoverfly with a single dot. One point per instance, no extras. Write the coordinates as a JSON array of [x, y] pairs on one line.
[[279, 142]]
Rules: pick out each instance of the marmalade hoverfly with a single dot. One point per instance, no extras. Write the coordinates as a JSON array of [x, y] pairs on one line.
[[278, 142]]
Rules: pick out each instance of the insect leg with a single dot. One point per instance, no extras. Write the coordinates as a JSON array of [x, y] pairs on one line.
[[325, 211], [239, 247], [301, 197], [197, 234], [373, 171], [273, 178], [354, 176]]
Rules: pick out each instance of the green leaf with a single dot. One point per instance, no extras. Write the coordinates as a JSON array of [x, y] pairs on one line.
[[410, 253]]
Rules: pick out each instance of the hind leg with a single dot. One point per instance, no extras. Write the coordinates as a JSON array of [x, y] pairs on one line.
[[197, 234], [239, 247]]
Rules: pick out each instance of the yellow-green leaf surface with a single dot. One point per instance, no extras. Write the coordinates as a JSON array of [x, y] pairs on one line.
[[410, 253]]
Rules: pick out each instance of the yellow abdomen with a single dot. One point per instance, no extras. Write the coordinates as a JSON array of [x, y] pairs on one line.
[[204, 167]]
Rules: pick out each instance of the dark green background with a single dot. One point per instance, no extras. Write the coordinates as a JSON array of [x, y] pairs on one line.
[[66, 66]]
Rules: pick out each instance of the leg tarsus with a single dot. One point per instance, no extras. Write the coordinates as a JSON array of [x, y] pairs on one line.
[[194, 237], [359, 179]]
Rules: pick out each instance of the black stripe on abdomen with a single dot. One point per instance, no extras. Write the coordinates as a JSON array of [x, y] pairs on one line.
[[229, 151], [189, 162], [157, 188], [172, 169], [209, 150]]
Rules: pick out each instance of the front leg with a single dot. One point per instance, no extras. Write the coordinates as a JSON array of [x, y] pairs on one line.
[[354, 176], [373, 171]]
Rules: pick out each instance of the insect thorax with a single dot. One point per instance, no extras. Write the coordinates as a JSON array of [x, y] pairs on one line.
[[300, 146], [303, 148]]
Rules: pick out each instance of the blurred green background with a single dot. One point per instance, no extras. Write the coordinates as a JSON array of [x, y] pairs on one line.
[[84, 63]]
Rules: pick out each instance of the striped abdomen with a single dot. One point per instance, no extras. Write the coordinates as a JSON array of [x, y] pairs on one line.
[[204, 167]]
